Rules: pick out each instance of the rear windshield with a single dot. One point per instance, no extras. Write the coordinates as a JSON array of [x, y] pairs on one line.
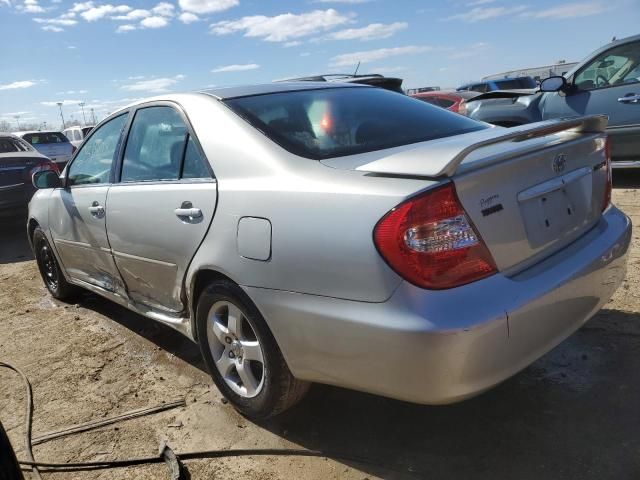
[[40, 138], [516, 83], [85, 131], [333, 122], [10, 145]]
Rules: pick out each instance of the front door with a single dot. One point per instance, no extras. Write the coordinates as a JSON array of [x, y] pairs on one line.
[[160, 211], [79, 210], [608, 84]]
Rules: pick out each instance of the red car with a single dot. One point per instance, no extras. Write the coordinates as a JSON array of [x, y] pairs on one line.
[[454, 101]]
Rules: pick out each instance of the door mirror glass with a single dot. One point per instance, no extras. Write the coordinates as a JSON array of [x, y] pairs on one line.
[[553, 84], [46, 179]]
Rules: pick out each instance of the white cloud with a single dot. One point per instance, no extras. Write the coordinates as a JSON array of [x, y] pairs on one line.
[[30, 6], [372, 31], [125, 28], [282, 27], [81, 7], [136, 14], [479, 14], [5, 2], [96, 13], [350, 2], [164, 9], [206, 6], [293, 43], [305, 54], [61, 22], [479, 2], [18, 84], [154, 22], [51, 28], [236, 68], [54, 103], [154, 85], [352, 59], [569, 10], [188, 17], [389, 69]]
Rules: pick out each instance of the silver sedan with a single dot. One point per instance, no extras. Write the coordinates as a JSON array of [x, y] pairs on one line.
[[335, 233]]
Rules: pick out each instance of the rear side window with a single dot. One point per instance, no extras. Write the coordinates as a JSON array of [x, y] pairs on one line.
[[333, 122], [92, 164], [41, 138], [10, 145]]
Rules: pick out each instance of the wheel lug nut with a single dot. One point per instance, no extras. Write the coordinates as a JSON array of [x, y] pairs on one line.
[[231, 355], [227, 339]]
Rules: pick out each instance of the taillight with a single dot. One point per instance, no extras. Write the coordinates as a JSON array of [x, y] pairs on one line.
[[462, 107], [429, 241], [607, 189]]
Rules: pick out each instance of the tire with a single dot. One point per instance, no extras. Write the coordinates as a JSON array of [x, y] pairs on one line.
[[258, 389], [50, 269]]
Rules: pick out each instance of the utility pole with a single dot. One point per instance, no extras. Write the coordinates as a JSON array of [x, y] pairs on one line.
[[17, 117], [83, 117], [61, 116], [93, 116]]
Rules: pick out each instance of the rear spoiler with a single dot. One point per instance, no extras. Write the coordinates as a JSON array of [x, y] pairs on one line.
[[443, 157]]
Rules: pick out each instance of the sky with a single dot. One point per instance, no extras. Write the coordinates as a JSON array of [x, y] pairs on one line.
[[107, 54]]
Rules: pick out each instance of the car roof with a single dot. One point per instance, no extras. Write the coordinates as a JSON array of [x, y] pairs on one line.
[[20, 134], [276, 87]]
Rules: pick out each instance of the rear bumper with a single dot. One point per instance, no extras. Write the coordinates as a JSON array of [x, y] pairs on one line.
[[436, 347]]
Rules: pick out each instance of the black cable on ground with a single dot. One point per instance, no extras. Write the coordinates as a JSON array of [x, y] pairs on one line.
[[28, 417], [250, 452], [34, 466]]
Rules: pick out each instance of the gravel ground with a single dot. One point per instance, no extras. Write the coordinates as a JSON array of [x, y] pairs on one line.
[[575, 413]]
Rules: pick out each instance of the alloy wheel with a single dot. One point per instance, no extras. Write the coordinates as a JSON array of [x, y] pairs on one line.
[[235, 349]]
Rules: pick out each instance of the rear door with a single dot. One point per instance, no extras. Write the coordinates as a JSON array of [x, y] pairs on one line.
[[608, 84], [161, 209], [77, 212]]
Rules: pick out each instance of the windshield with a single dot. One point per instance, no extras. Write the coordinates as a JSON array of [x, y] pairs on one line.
[[334, 122]]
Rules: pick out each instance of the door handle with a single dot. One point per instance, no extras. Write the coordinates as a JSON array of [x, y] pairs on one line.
[[630, 98], [188, 212], [96, 210]]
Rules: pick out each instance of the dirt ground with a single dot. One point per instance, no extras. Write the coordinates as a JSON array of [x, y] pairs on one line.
[[574, 414]]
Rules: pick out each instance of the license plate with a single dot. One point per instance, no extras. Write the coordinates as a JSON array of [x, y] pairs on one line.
[[556, 208]]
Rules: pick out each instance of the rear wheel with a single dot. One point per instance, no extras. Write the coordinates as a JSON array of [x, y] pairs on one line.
[[50, 269], [241, 354]]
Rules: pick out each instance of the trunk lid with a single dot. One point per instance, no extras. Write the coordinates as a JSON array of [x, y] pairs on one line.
[[14, 168], [529, 191]]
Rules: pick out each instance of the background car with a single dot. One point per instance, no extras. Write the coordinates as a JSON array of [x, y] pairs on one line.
[[517, 83], [606, 82], [18, 162], [451, 100], [54, 145], [337, 233], [76, 134]]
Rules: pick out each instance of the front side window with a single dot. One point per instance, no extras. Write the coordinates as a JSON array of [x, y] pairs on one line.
[[332, 122], [92, 164], [614, 67], [155, 146]]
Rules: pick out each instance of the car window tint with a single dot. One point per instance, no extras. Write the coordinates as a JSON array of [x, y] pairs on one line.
[[92, 164], [194, 164], [155, 145], [7, 145], [331, 122], [610, 68]]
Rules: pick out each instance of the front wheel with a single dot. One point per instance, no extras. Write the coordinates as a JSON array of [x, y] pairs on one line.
[[241, 354], [50, 269]]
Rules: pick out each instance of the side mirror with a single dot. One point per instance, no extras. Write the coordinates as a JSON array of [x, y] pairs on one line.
[[553, 84], [46, 179]]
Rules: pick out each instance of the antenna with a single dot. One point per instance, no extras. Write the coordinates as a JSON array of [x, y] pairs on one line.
[[357, 67]]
